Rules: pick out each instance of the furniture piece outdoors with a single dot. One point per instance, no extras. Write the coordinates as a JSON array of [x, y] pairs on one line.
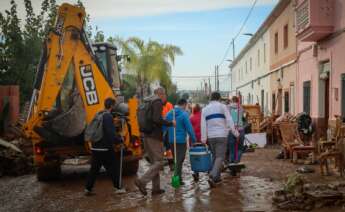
[[336, 153], [266, 126], [254, 116], [292, 144], [329, 143]]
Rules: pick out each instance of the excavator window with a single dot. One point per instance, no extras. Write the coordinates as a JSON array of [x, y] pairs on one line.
[[102, 58], [115, 70], [107, 59]]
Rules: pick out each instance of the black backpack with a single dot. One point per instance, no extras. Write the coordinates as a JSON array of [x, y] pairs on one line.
[[145, 115]]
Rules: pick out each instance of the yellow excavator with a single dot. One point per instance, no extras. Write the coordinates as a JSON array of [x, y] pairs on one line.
[[72, 81]]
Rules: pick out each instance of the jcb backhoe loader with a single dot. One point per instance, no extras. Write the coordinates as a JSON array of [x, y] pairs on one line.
[[72, 81]]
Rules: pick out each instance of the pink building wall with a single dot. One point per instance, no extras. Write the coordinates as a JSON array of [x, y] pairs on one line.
[[310, 55]]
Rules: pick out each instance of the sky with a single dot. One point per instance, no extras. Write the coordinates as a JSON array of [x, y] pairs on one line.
[[203, 29]]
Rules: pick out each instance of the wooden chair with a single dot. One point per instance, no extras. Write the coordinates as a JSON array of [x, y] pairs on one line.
[[336, 153], [324, 143], [293, 145], [266, 126]]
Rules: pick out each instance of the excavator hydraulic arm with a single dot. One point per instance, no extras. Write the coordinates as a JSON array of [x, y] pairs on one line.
[[67, 47]]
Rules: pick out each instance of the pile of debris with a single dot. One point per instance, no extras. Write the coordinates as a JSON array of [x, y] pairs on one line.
[[299, 195], [286, 117], [13, 161]]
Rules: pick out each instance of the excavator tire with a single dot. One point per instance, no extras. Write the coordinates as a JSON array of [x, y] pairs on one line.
[[50, 171], [130, 167]]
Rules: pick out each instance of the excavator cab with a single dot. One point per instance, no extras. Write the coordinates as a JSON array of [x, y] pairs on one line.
[[108, 59]]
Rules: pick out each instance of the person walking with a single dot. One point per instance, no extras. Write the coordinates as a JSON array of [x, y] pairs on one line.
[[183, 127], [167, 106], [195, 119], [236, 145], [154, 146], [103, 153], [215, 125], [167, 150]]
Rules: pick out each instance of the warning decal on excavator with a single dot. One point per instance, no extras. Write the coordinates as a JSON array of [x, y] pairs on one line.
[[89, 85]]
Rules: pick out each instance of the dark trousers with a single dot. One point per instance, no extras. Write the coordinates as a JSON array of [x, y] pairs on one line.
[[180, 156], [110, 161]]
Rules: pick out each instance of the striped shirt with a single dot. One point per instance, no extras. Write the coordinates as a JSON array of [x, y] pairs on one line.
[[216, 121]]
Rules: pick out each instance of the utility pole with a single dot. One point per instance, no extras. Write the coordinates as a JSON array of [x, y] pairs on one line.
[[233, 49], [209, 86], [230, 74], [217, 78], [205, 87]]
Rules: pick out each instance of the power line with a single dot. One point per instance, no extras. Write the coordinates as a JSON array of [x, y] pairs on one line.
[[198, 76], [239, 32]]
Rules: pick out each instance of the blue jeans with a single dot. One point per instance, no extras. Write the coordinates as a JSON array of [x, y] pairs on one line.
[[235, 147]]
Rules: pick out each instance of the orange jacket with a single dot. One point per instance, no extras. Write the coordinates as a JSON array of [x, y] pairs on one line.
[[166, 108]]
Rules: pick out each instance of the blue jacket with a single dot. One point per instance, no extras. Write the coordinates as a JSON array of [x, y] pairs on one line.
[[183, 126]]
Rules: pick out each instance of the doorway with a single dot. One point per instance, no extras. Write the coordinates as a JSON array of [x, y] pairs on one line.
[[324, 101], [262, 100], [279, 102]]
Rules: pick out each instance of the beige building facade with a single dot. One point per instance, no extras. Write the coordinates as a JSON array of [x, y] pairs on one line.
[[283, 54], [249, 71], [265, 70]]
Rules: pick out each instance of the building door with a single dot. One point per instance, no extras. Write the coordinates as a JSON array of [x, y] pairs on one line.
[[286, 102], [324, 91], [274, 103], [323, 99], [262, 100], [306, 97], [343, 95], [279, 102], [266, 105], [292, 98], [326, 101]]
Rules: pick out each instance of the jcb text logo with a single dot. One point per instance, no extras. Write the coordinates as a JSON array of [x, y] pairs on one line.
[[89, 85]]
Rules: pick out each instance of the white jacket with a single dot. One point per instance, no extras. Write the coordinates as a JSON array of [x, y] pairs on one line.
[[216, 122]]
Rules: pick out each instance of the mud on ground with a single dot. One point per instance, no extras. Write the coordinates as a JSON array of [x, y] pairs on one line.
[[251, 191]]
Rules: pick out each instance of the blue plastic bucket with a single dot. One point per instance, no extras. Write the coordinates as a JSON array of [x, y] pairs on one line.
[[200, 159]]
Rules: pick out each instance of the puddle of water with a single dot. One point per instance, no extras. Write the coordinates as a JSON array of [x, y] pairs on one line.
[[245, 193]]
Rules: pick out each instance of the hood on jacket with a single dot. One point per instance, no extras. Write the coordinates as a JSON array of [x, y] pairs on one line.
[[183, 126], [178, 111]]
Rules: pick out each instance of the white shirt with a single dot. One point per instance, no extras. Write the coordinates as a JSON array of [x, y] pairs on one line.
[[216, 122]]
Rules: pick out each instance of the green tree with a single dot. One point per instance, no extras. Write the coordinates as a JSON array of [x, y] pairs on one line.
[[149, 62], [173, 96], [128, 87], [20, 48], [99, 36]]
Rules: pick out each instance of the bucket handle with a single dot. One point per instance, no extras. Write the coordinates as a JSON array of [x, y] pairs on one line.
[[201, 144]]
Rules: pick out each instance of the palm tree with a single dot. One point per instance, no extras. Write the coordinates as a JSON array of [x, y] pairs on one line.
[[149, 61]]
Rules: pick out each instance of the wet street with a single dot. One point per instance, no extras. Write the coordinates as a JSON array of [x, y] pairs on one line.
[[251, 191]]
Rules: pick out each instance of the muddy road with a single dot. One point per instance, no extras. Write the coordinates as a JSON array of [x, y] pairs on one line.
[[252, 191]]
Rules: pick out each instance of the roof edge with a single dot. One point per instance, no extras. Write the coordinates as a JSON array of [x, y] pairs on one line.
[[277, 10]]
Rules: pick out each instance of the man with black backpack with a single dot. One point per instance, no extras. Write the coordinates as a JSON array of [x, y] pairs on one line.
[[151, 123], [103, 153]]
